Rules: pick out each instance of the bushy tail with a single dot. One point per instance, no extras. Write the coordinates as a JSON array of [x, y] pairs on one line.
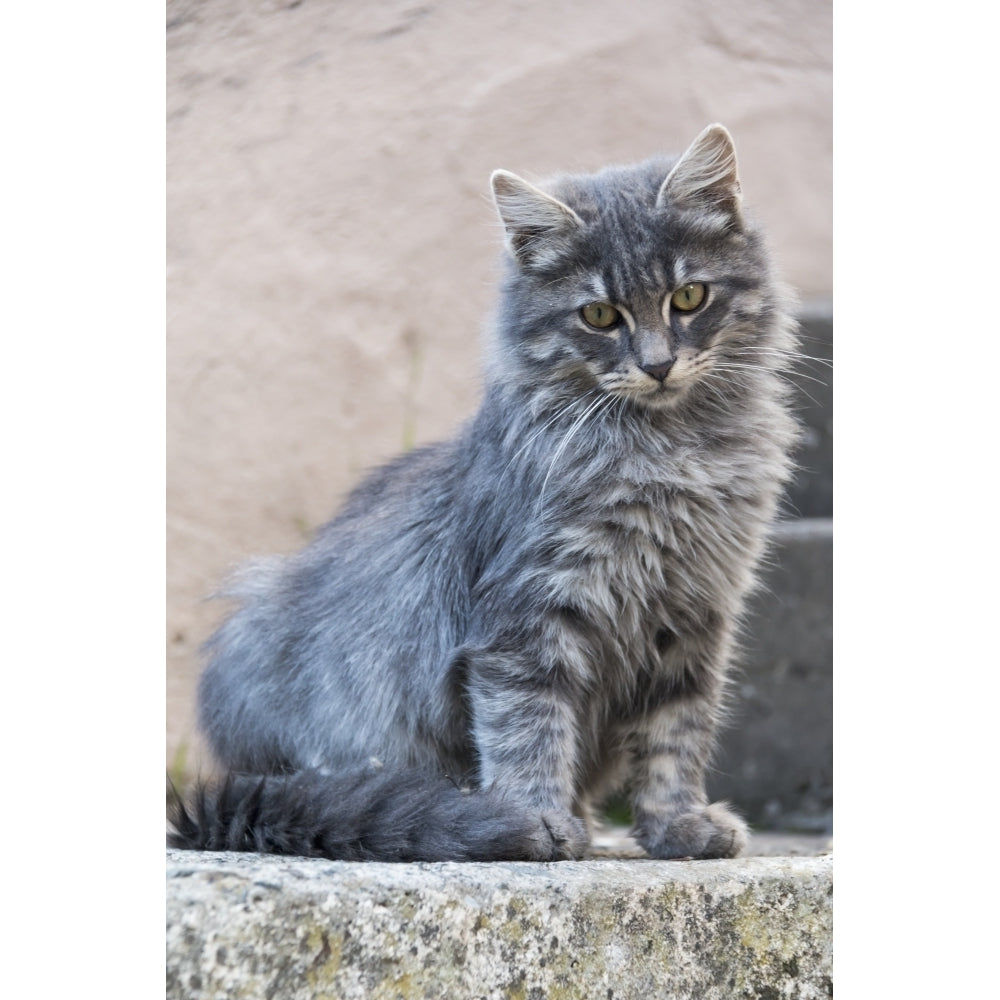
[[367, 815]]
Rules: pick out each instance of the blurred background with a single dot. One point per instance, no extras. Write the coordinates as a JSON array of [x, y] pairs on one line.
[[332, 250]]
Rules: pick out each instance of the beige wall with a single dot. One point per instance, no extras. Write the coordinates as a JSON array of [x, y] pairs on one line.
[[331, 247]]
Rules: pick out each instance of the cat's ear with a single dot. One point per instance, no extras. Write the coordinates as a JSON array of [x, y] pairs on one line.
[[539, 227], [706, 176]]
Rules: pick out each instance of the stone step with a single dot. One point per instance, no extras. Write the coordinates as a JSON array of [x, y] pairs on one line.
[[615, 928], [775, 759]]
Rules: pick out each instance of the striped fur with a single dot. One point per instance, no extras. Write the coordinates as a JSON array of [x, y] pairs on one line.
[[542, 609]]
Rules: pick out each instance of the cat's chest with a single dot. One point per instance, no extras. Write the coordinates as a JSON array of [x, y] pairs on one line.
[[642, 554]]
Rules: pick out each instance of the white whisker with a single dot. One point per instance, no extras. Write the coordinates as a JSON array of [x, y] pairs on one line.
[[706, 379], [548, 423], [789, 369], [601, 401], [785, 377], [732, 365], [795, 355]]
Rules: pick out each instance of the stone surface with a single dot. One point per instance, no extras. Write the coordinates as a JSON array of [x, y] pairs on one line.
[[775, 760], [247, 926]]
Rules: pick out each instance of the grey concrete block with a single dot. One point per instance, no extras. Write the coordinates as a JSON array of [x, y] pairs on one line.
[[811, 493], [776, 755], [247, 926]]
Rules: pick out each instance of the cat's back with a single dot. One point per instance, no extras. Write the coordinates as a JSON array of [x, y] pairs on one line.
[[357, 626]]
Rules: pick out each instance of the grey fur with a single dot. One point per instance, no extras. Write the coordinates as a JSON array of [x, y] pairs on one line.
[[544, 607]]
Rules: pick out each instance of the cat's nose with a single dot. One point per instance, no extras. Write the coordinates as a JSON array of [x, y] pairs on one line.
[[659, 371]]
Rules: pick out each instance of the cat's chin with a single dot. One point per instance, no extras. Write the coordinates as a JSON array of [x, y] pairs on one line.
[[662, 397]]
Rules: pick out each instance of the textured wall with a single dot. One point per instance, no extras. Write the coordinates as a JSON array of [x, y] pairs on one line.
[[331, 247]]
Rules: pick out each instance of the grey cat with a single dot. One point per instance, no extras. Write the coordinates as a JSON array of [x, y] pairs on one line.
[[499, 630]]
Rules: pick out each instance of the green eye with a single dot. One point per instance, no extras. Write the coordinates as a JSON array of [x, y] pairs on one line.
[[600, 315], [689, 297]]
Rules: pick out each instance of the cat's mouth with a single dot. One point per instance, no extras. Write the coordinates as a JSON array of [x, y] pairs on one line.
[[672, 383], [653, 393], [645, 389]]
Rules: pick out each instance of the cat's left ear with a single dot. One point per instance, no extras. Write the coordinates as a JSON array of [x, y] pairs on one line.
[[539, 227], [705, 176]]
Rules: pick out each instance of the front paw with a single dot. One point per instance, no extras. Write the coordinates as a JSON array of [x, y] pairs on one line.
[[705, 832], [558, 836]]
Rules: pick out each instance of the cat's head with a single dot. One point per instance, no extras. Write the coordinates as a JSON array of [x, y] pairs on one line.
[[640, 281]]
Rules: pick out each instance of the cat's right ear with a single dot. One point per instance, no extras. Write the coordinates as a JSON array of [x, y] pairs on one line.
[[706, 176], [539, 227]]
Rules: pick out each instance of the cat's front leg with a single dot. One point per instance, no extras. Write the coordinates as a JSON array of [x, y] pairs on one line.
[[673, 818], [526, 738]]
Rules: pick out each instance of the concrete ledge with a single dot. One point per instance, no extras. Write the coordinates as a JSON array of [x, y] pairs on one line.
[[252, 926]]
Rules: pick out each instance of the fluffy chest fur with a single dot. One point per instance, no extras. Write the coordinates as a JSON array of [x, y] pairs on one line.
[[636, 527]]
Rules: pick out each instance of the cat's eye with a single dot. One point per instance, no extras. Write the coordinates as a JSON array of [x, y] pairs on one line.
[[600, 315], [687, 298]]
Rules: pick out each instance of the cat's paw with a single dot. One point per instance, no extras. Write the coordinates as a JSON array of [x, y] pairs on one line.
[[559, 836], [706, 832]]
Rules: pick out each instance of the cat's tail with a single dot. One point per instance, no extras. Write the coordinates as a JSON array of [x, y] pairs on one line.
[[366, 815]]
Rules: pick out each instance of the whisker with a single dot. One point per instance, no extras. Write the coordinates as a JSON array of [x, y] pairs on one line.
[[706, 380], [772, 371], [568, 407], [805, 338], [786, 377], [796, 355], [601, 401]]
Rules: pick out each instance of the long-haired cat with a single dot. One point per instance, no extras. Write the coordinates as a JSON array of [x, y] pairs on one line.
[[499, 630]]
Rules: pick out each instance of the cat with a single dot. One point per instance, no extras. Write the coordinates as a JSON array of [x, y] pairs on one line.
[[498, 631]]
